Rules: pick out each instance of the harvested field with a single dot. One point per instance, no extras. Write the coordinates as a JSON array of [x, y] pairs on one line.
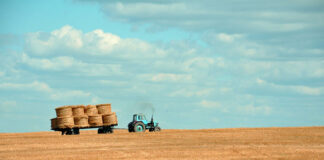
[[242, 143]]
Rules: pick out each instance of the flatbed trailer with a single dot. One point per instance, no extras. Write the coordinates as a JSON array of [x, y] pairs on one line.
[[102, 129]]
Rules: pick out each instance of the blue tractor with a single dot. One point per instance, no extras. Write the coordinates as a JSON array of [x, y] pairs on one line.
[[140, 124]]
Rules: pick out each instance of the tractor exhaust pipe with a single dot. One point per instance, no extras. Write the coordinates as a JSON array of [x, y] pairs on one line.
[[152, 118], [152, 122]]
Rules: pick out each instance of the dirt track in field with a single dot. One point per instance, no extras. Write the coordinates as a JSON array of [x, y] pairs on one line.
[[244, 143]]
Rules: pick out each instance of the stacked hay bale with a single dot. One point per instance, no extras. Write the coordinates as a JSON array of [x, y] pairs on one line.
[[64, 117], [81, 116], [108, 118], [94, 118], [69, 117]]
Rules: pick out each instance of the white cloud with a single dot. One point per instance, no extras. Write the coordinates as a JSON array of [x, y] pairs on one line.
[[2, 73], [115, 83], [185, 92], [59, 95], [210, 104], [54, 94], [252, 109], [38, 86], [284, 16], [227, 37], [7, 106], [198, 63], [279, 26], [167, 77], [301, 89], [65, 63], [308, 90], [70, 41], [43, 43]]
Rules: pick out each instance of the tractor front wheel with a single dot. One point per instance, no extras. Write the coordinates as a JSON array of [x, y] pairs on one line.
[[139, 127], [157, 129]]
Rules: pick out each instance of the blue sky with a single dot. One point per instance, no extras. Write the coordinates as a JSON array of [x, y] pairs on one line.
[[206, 64]]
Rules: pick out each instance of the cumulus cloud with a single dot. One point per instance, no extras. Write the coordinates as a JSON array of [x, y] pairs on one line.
[[37, 86], [65, 63], [70, 41], [186, 92], [228, 38], [167, 77], [253, 109], [54, 94], [275, 16], [229, 72], [210, 104], [2, 73], [300, 89]]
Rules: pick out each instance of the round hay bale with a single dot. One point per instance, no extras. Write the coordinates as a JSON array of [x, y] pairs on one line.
[[81, 121], [91, 110], [64, 111], [78, 110], [95, 120], [110, 119], [104, 108], [65, 122], [53, 123]]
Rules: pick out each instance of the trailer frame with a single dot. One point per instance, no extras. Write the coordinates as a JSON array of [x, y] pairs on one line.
[[102, 129]]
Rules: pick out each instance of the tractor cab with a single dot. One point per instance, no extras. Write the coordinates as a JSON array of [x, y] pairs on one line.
[[140, 117], [140, 124]]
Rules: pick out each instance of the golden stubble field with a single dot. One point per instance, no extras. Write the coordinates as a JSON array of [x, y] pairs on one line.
[[242, 143]]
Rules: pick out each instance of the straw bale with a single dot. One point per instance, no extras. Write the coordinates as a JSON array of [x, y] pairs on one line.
[[81, 121], [110, 119], [95, 120], [91, 110], [53, 123], [65, 122], [78, 110], [64, 111], [104, 108]]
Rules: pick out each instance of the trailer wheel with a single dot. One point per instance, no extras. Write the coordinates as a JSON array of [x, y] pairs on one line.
[[100, 131], [69, 132], [111, 130], [76, 131]]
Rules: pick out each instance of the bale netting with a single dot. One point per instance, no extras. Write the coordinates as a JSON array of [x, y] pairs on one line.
[[65, 122], [81, 121], [78, 110], [95, 120], [104, 108], [53, 123], [64, 111], [110, 119], [91, 110]]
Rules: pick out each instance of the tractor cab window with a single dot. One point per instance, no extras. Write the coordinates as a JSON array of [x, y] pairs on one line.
[[140, 118]]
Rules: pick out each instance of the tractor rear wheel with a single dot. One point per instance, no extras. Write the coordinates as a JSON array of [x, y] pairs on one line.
[[139, 127], [130, 127]]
